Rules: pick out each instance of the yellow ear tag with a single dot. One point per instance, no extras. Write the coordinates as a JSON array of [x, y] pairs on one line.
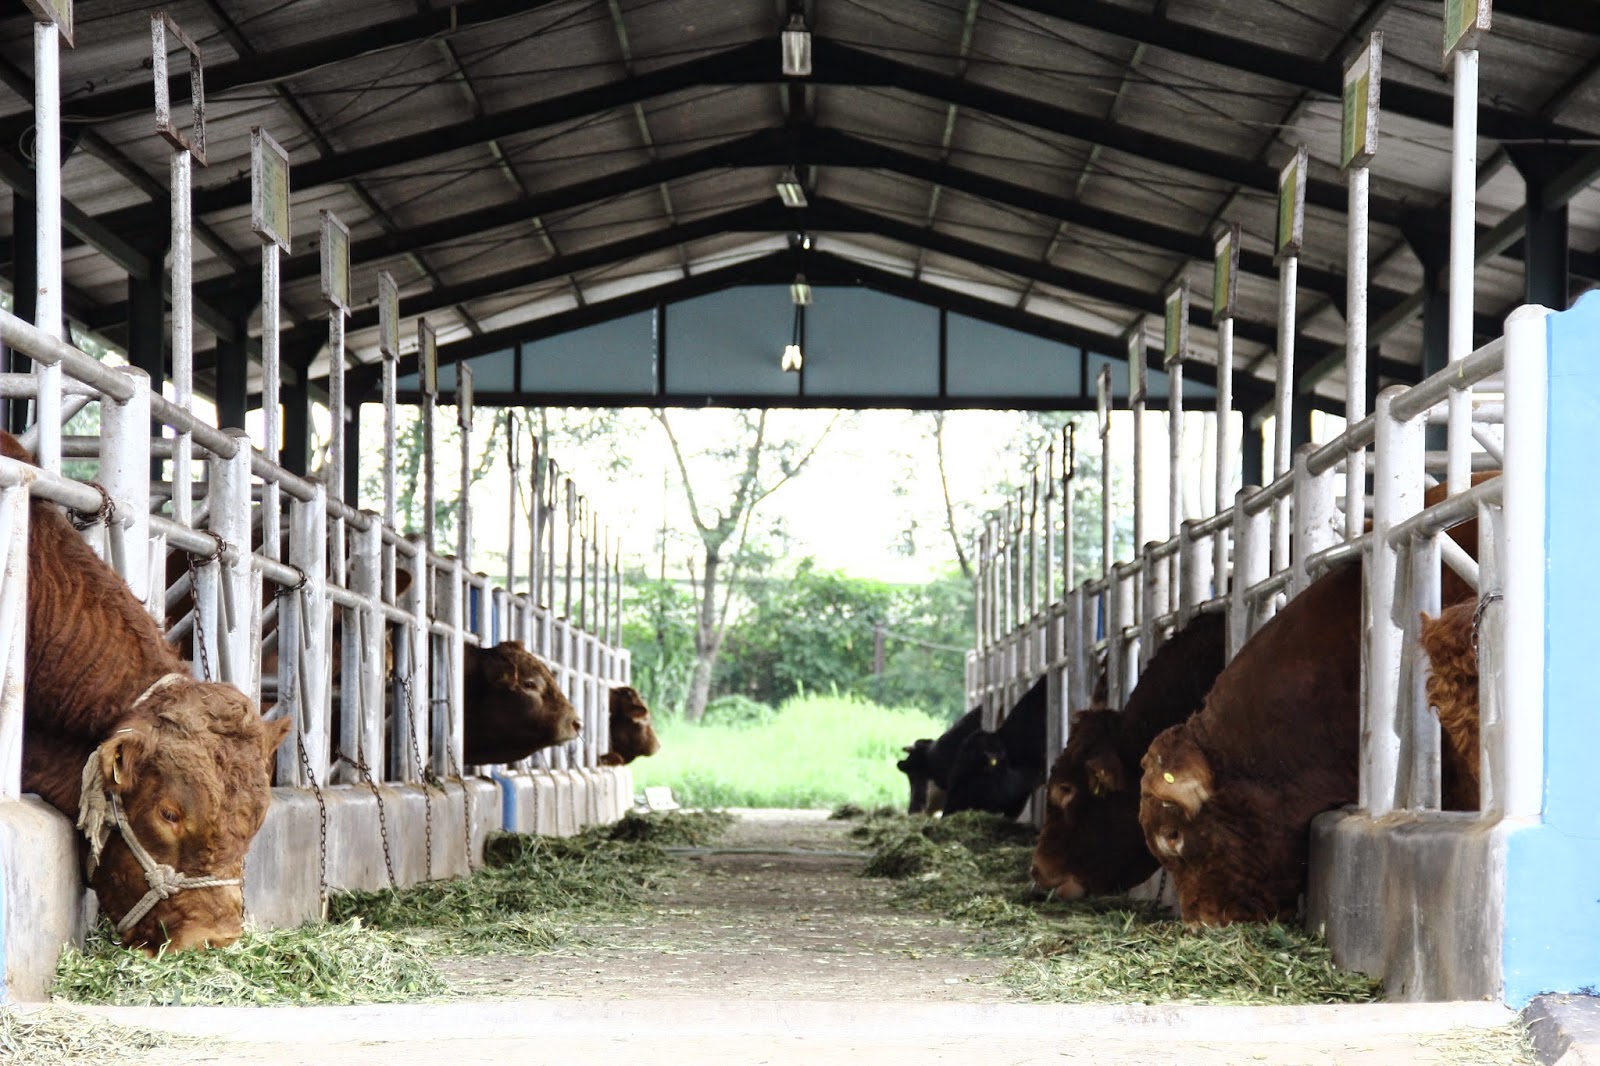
[[116, 773], [1168, 778]]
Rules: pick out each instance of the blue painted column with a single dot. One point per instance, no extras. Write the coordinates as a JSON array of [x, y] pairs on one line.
[[1552, 902]]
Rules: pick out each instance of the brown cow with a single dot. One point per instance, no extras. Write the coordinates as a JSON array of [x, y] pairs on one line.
[[632, 734], [1227, 798], [513, 705], [1451, 643], [169, 777], [1090, 842]]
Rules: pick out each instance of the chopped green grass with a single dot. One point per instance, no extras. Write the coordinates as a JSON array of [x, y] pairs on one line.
[[49, 1036], [850, 747], [972, 868], [337, 962], [534, 894]]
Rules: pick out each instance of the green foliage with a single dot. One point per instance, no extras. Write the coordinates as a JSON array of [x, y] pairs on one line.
[[818, 751], [815, 631], [737, 710], [658, 628]]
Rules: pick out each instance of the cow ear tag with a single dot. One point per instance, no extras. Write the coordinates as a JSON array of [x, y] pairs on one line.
[[1168, 778]]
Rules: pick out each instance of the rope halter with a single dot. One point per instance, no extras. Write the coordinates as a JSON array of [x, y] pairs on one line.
[[100, 809]]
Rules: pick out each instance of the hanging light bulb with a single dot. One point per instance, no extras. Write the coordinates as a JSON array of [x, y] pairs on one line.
[[800, 291], [790, 191], [796, 48], [792, 359]]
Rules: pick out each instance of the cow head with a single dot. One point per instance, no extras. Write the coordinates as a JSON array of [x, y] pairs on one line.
[[984, 778], [1089, 842], [188, 778], [1232, 854], [513, 705], [632, 735]]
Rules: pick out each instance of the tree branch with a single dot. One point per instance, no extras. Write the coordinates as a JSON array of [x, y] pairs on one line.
[[683, 469], [949, 508], [795, 470]]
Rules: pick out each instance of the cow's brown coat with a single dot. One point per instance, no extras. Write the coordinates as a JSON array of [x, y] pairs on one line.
[[1453, 694], [633, 735], [513, 705], [190, 762]]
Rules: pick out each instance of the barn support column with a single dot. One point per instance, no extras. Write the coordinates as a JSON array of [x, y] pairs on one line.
[[1545, 249], [232, 370], [296, 400], [1255, 454], [352, 453]]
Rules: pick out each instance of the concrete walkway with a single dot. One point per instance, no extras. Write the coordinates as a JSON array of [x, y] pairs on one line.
[[783, 1032]]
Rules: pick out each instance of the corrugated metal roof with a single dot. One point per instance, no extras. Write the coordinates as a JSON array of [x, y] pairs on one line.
[[994, 149]]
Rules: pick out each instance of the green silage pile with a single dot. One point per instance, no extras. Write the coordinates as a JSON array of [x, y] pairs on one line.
[[973, 868]]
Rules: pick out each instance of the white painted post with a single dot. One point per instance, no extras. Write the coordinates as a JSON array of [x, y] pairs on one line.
[[47, 201], [1419, 724], [1050, 524], [1225, 281], [412, 710], [1491, 666], [1069, 464], [1291, 230], [1522, 566], [237, 624], [13, 634], [389, 353], [125, 475], [428, 372], [1316, 516], [304, 674], [1195, 570], [1465, 23], [1033, 544], [1362, 79], [1250, 564], [366, 581], [1397, 493], [1103, 406], [1138, 386]]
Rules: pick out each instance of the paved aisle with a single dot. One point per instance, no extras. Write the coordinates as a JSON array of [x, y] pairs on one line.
[[762, 955]]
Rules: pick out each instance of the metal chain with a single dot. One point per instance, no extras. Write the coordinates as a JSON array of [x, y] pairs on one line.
[[82, 520], [425, 774], [322, 824], [1492, 596], [198, 630], [455, 771], [361, 767]]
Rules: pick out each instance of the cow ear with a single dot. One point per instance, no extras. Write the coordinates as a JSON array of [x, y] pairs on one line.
[[273, 733], [1188, 787], [120, 757], [639, 711], [1105, 773], [512, 644]]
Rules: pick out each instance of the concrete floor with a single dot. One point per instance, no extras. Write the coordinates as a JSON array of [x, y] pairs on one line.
[[791, 1032]]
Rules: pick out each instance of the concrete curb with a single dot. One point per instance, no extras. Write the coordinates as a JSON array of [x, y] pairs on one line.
[[536, 1019], [1565, 1029]]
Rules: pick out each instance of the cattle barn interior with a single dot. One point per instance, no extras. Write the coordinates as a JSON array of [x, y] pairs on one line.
[[1008, 204]]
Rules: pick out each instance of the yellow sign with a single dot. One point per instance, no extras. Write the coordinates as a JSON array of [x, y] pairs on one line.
[[1464, 20], [388, 315], [1175, 342], [1225, 274], [335, 262], [1359, 142], [428, 357], [269, 189], [1292, 205], [56, 11]]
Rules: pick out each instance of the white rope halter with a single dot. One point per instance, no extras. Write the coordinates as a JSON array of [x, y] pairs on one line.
[[96, 802]]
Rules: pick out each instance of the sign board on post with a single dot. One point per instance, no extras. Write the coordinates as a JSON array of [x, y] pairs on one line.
[[1102, 399], [428, 357], [1136, 365], [1225, 274], [269, 189], [335, 262], [57, 11], [194, 142], [1464, 22], [388, 315], [1292, 205], [463, 395], [1175, 344], [1362, 81]]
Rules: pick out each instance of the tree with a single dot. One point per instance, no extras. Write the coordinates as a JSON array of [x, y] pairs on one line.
[[949, 507], [723, 536]]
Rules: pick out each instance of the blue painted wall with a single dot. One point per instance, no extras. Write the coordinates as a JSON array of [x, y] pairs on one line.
[[1552, 920]]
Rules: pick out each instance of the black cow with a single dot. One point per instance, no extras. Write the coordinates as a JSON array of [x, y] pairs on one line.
[[927, 762], [998, 771]]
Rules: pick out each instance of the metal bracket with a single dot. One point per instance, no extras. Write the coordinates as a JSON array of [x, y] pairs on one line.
[[195, 143]]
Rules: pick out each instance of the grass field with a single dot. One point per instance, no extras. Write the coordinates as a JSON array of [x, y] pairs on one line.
[[818, 751]]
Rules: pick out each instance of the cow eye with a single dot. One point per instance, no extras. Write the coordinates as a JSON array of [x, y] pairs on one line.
[[171, 815]]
